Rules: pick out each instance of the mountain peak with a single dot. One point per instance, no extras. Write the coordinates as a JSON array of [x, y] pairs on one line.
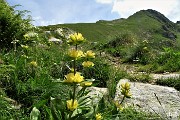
[[155, 15]]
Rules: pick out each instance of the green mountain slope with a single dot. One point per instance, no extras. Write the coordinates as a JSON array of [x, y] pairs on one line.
[[143, 25], [142, 37]]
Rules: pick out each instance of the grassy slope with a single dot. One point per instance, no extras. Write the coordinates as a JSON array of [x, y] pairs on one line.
[[143, 24], [147, 25]]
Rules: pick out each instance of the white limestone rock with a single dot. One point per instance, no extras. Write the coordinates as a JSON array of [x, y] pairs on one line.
[[146, 97]]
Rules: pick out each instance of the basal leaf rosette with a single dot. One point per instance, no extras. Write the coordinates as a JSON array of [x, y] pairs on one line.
[[74, 78], [75, 54], [75, 39]]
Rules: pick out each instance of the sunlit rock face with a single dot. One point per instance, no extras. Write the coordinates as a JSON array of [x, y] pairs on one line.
[[156, 99]]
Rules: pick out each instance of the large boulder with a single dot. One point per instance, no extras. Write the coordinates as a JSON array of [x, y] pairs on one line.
[[156, 99]]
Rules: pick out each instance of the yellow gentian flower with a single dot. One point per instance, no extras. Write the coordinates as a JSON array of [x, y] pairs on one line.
[[72, 106], [125, 89], [75, 54], [99, 116], [128, 94], [24, 56], [26, 36], [119, 106], [72, 69], [125, 86], [86, 84], [33, 63], [78, 78], [25, 46], [71, 78], [87, 64], [76, 38], [79, 37], [89, 54]]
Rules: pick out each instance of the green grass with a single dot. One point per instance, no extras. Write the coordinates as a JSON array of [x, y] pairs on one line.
[[171, 82], [132, 114]]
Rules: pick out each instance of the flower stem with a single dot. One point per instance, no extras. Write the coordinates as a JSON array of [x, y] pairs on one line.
[[74, 93], [76, 46], [122, 99], [74, 66], [74, 85], [74, 62]]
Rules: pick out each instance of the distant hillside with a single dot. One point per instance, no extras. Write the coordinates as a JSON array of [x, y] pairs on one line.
[[145, 25]]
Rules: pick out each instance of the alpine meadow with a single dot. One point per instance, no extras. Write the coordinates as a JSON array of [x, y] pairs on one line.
[[88, 71]]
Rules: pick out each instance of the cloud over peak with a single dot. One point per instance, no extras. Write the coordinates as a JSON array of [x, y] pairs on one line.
[[125, 8]]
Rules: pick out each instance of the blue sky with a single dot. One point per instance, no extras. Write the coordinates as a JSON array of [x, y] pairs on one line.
[[48, 12]]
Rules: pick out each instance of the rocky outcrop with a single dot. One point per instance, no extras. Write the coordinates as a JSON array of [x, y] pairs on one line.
[[161, 100], [178, 22], [170, 35], [160, 17], [165, 76]]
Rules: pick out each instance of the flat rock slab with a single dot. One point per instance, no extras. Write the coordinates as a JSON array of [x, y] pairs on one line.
[[165, 76], [162, 100]]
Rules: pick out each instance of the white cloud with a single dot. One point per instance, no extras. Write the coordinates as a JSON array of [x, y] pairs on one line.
[[38, 20], [125, 8], [175, 13], [104, 1]]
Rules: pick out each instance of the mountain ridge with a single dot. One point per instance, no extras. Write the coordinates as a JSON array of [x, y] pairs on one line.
[[148, 25]]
